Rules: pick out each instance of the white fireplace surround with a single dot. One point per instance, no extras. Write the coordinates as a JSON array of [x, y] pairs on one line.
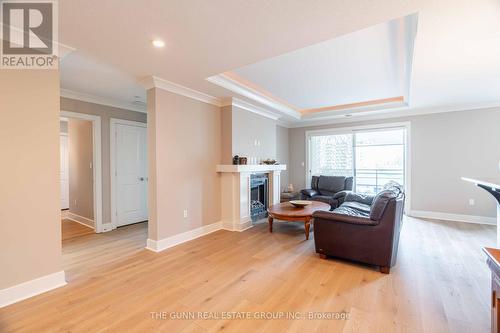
[[235, 187]]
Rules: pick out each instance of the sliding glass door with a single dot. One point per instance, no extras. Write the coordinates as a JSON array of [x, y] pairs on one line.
[[372, 156], [332, 155], [380, 158]]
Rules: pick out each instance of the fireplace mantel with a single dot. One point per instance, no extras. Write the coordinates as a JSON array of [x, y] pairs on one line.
[[250, 168], [235, 188]]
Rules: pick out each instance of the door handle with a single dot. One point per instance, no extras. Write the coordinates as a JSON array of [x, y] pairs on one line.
[[141, 179]]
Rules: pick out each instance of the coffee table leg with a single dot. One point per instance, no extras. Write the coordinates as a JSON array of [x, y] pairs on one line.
[[270, 223], [307, 225]]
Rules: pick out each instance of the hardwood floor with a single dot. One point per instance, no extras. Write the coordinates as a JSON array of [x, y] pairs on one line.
[[440, 283], [71, 229], [85, 251]]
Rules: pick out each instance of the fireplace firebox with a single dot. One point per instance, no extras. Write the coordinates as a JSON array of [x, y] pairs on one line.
[[259, 196]]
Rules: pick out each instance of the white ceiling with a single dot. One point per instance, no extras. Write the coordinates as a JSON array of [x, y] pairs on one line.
[[455, 60], [81, 73], [361, 66]]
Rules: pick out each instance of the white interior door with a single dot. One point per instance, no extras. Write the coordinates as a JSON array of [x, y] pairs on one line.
[[130, 174], [64, 170]]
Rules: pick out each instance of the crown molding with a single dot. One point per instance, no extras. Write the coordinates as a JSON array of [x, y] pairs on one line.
[[392, 113], [253, 108], [156, 82], [371, 105], [284, 123], [66, 93], [232, 101], [356, 111], [237, 87]]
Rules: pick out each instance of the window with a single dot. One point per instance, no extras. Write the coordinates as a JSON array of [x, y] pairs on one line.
[[332, 155], [372, 157]]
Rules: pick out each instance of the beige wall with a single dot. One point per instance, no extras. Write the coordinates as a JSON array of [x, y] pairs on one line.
[[153, 227], [30, 218], [444, 147], [81, 187], [184, 146], [283, 152], [106, 113]]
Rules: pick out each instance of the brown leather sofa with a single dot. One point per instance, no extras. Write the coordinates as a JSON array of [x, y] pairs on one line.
[[364, 228], [329, 189]]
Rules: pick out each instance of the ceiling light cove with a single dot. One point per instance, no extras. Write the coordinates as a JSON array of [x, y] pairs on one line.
[[363, 71], [158, 43]]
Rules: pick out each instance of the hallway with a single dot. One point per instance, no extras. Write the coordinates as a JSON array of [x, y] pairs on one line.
[[84, 251]]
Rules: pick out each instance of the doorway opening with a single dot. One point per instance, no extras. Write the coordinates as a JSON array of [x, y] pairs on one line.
[[103, 171], [81, 175]]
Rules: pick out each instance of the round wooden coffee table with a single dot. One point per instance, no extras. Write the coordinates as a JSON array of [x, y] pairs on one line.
[[287, 212]]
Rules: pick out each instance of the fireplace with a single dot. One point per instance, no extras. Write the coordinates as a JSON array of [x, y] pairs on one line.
[[259, 198], [237, 194]]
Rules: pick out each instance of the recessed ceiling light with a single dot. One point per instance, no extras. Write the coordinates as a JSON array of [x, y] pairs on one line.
[[348, 115], [158, 43]]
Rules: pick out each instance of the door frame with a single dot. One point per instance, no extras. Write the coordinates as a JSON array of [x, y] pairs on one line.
[[67, 141], [97, 165], [112, 161], [371, 127]]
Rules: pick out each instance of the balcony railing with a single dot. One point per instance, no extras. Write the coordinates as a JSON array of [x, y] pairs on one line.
[[373, 180], [368, 180]]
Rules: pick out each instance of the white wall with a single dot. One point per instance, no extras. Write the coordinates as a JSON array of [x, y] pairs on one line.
[[247, 128], [283, 152], [444, 147], [240, 131]]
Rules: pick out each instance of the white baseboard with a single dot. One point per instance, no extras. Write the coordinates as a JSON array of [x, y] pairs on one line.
[[79, 219], [229, 226], [31, 288], [453, 217], [165, 243], [108, 227]]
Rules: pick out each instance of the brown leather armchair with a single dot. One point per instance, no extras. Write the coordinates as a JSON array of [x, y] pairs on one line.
[[328, 189], [364, 228]]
